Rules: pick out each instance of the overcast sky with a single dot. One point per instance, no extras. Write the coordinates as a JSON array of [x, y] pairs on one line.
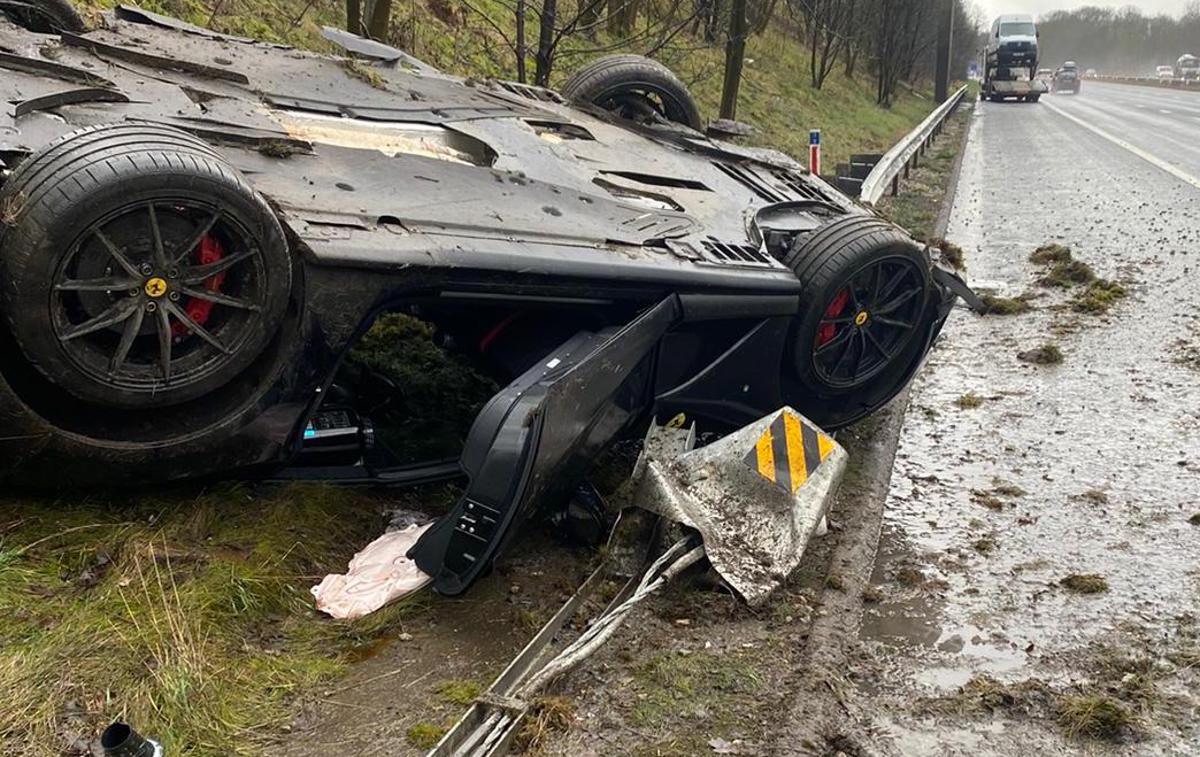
[[992, 8]]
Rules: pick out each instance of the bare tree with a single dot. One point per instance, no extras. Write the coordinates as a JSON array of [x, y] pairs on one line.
[[828, 30], [899, 32]]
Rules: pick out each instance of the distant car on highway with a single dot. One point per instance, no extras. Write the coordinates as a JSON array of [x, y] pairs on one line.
[[1066, 78], [1165, 72], [1090, 73], [1187, 67], [1045, 74]]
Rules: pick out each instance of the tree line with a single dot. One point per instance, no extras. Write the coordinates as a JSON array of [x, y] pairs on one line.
[[890, 41], [1121, 41]]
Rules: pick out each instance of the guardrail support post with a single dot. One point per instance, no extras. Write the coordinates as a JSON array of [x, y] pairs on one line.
[[905, 156]]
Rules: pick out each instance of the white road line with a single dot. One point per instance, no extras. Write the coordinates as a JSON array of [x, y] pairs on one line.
[[1153, 160]]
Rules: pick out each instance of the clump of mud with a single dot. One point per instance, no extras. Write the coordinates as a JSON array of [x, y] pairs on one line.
[[1047, 354], [1099, 716], [278, 148], [968, 401], [1006, 489], [364, 73], [1067, 274], [993, 305], [1098, 297], [951, 253], [984, 546], [1085, 583], [547, 715], [1050, 253], [1186, 354], [1195, 519]]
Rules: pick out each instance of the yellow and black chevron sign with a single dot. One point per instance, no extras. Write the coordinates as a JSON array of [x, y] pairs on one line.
[[788, 452]]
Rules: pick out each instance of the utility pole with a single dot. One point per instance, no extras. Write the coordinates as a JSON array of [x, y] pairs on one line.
[[945, 42]]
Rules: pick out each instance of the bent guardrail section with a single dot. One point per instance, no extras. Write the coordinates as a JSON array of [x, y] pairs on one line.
[[905, 154]]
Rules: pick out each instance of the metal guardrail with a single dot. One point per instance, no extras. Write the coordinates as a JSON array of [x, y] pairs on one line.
[[907, 152], [1192, 85]]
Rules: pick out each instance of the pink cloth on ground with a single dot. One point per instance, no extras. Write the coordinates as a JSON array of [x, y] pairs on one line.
[[378, 574]]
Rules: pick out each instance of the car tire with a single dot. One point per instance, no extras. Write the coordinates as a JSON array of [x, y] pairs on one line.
[[634, 87], [43, 16], [139, 269], [866, 291]]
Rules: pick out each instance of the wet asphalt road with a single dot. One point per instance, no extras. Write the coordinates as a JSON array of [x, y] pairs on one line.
[[1164, 123], [1106, 445]]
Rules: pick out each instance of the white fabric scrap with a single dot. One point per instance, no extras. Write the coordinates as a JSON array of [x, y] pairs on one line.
[[379, 574]]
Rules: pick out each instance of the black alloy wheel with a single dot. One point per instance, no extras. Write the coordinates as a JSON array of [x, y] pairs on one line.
[[868, 322], [163, 292]]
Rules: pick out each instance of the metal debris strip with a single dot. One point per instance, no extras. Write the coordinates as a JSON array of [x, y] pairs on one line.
[[491, 724]]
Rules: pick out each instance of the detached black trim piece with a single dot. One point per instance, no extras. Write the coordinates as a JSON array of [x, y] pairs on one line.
[[537, 437], [68, 97]]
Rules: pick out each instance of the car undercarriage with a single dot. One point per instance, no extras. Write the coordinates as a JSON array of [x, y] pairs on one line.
[[198, 229]]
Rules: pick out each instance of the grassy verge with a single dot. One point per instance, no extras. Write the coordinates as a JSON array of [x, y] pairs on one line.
[[187, 614]]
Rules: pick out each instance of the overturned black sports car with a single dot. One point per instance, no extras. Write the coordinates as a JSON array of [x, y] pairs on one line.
[[195, 229]]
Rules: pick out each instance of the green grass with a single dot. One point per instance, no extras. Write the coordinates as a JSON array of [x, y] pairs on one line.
[[669, 685], [187, 614]]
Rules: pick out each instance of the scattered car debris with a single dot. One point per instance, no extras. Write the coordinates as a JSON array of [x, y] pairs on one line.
[[120, 740]]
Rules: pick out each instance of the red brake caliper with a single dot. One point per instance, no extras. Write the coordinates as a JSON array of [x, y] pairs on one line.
[[826, 331], [207, 252]]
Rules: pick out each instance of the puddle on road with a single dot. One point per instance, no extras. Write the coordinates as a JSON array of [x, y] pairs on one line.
[[1105, 446]]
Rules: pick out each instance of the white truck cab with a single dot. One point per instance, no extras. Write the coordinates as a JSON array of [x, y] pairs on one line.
[[1014, 41]]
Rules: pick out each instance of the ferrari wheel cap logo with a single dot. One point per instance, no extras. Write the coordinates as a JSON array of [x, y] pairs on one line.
[[156, 287], [861, 318]]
